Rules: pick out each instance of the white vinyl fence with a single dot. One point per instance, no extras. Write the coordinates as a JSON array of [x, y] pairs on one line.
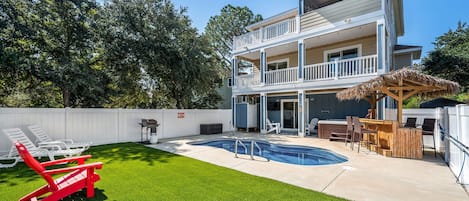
[[456, 153], [103, 126], [455, 124]]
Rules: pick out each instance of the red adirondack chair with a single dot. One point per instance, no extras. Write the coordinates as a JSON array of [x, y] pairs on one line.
[[78, 177]]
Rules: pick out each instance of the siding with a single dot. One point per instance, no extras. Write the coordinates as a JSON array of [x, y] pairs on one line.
[[338, 12], [316, 55], [402, 60]]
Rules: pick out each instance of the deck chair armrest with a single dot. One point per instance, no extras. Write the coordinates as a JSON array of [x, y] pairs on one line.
[[59, 143], [49, 147], [97, 165], [79, 159], [66, 141]]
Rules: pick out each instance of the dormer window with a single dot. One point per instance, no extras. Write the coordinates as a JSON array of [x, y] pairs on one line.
[[310, 5]]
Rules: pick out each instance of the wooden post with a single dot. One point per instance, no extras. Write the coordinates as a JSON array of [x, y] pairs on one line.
[[399, 102], [373, 106]]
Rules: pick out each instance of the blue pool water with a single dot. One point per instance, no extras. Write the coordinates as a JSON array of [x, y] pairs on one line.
[[300, 155]]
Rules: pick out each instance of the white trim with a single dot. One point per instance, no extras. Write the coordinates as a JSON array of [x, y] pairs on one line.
[[278, 17], [358, 46], [277, 61], [408, 50], [306, 114], [368, 18], [281, 112]]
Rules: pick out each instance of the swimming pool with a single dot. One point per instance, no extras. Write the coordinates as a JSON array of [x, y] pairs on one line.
[[300, 155]]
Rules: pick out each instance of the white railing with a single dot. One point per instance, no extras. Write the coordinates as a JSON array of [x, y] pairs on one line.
[[270, 32], [248, 80], [279, 29], [286, 75], [366, 65], [253, 37]]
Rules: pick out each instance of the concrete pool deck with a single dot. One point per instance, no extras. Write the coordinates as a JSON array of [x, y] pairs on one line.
[[366, 176]]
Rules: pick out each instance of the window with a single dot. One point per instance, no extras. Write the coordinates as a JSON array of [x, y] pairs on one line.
[[277, 65], [310, 5], [342, 53]]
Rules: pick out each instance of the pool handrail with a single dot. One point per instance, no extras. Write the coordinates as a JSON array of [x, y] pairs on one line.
[[238, 141]]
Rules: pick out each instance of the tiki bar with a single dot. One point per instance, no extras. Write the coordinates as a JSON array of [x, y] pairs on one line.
[[392, 137]]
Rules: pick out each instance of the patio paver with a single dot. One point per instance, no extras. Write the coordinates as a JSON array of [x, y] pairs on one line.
[[366, 176]]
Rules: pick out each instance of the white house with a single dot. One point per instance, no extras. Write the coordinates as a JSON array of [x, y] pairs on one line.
[[303, 56]]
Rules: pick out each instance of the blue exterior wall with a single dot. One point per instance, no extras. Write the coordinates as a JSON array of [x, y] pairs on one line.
[[322, 106], [327, 106]]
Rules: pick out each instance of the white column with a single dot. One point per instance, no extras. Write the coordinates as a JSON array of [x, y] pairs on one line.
[[301, 60], [233, 112], [297, 24], [380, 45], [301, 113], [263, 59], [234, 70], [263, 113]]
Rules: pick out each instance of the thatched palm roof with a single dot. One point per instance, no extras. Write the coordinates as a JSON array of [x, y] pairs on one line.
[[427, 85]]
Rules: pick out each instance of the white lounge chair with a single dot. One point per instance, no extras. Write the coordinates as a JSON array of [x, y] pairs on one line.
[[13, 160], [310, 128], [17, 135], [272, 126], [43, 139]]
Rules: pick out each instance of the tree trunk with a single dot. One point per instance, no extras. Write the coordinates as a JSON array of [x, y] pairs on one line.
[[179, 104], [66, 97]]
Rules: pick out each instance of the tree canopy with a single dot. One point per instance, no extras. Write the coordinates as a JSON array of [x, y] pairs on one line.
[[450, 58], [221, 29], [125, 53]]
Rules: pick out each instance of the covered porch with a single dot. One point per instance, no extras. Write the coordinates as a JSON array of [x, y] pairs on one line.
[[292, 111], [339, 55]]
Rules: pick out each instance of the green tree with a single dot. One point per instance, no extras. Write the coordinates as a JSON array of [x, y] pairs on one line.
[[51, 45], [68, 54], [450, 58], [158, 59], [221, 29]]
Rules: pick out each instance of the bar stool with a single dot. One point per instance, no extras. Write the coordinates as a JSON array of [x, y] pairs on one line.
[[347, 136], [428, 128], [357, 129]]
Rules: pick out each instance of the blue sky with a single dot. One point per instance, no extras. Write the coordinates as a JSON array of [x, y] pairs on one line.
[[424, 19]]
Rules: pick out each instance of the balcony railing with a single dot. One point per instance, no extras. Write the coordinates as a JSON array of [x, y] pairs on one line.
[[267, 33], [279, 29], [253, 37], [341, 69], [286, 75], [244, 81]]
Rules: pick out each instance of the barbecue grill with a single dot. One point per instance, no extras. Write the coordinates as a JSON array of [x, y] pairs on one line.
[[148, 128]]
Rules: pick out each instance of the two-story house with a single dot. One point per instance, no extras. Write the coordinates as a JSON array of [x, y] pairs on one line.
[[302, 57]]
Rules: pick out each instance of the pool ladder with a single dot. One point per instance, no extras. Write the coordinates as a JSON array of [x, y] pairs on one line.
[[253, 144]]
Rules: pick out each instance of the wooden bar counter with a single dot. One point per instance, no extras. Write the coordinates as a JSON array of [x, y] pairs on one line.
[[393, 140]]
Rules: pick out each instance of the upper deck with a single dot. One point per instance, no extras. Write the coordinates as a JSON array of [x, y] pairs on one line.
[[291, 24]]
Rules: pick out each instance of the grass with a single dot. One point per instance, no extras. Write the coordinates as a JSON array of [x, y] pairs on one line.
[[134, 172]]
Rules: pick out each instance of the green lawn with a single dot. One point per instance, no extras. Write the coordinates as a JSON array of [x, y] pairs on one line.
[[135, 172]]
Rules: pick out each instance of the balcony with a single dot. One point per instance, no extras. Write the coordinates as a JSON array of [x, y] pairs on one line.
[[266, 33], [335, 70]]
